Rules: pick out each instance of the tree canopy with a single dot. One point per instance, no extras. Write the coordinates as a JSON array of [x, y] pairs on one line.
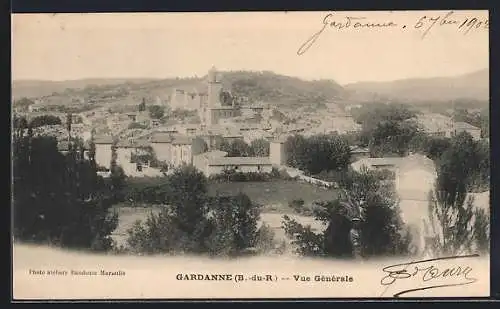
[[59, 199]]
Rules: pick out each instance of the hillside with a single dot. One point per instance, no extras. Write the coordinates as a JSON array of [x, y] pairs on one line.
[[256, 86], [474, 86], [270, 87], [39, 88]]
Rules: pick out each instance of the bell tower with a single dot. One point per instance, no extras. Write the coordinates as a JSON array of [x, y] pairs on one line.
[[214, 88]]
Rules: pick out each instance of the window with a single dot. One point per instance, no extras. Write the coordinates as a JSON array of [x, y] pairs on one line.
[[236, 167], [259, 168], [139, 167]]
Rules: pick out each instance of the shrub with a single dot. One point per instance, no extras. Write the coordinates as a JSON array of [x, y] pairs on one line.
[[136, 125], [196, 223]]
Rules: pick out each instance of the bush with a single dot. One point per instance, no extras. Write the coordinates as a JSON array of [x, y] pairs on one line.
[[45, 120], [196, 223], [59, 199], [382, 231], [299, 207], [136, 125], [265, 239]]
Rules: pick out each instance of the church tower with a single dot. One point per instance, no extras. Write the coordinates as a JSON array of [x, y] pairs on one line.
[[214, 88]]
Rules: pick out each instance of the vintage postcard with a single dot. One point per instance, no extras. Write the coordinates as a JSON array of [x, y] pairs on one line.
[[250, 155]]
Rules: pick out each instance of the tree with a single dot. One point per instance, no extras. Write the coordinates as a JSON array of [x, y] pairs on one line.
[[386, 128], [142, 106], [59, 199], [455, 225], [23, 103], [45, 120], [458, 163], [392, 137], [260, 147], [296, 148], [234, 221], [430, 146], [117, 176], [197, 223], [318, 153], [382, 230], [238, 148], [327, 153], [156, 111]]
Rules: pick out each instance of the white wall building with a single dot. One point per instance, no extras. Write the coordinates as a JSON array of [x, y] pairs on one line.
[[175, 150], [415, 178], [103, 151]]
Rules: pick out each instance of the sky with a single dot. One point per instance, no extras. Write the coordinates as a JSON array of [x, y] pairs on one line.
[[163, 45]]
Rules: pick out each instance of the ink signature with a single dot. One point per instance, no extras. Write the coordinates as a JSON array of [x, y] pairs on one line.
[[428, 272], [424, 23]]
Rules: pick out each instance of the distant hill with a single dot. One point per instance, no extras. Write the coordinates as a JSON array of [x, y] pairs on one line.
[[474, 86], [39, 88], [256, 86], [270, 87]]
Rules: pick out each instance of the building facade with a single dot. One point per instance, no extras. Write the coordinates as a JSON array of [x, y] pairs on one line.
[[103, 152], [277, 153], [459, 127], [175, 150]]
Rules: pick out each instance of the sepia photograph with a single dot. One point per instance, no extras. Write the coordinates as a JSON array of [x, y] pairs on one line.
[[250, 155]]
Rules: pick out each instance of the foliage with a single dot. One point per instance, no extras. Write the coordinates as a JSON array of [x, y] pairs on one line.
[[118, 177], [265, 239], [456, 225], [234, 176], [234, 221], [260, 147], [386, 128], [298, 205], [458, 163], [45, 120], [199, 145], [430, 146], [142, 106], [270, 87], [318, 153], [182, 114], [156, 111], [196, 223], [382, 231], [236, 148], [23, 103], [136, 125], [480, 119], [392, 138], [59, 199]]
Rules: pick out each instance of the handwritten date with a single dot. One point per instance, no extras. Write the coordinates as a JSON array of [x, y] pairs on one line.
[[424, 23]]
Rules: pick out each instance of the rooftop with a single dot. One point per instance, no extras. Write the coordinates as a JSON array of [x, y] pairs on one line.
[[223, 161], [405, 163], [464, 126], [132, 143], [103, 140], [174, 139]]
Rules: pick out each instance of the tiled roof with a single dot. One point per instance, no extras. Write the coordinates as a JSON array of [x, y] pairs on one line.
[[182, 140], [103, 140], [132, 143], [213, 154], [239, 161], [161, 138], [464, 126]]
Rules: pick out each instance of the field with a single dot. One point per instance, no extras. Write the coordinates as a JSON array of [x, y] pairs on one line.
[[273, 195]]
